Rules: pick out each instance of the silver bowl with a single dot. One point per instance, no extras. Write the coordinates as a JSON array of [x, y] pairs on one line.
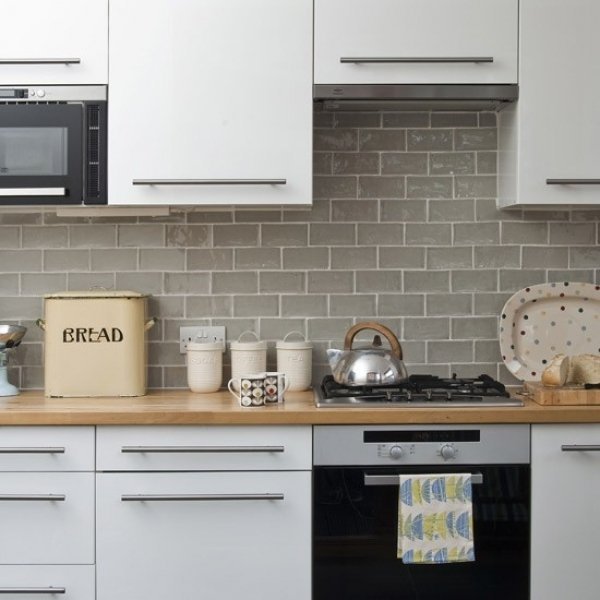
[[11, 335]]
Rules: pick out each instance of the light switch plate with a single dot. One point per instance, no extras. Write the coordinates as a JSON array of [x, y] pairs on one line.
[[200, 334]]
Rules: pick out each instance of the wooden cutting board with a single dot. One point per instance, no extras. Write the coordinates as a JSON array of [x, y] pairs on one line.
[[562, 396]]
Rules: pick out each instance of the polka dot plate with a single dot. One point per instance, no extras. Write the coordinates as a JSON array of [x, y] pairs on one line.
[[543, 320]]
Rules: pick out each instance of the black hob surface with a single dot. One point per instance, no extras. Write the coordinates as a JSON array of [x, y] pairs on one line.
[[416, 392]]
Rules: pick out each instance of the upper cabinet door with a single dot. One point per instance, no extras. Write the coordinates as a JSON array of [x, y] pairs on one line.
[[210, 102], [53, 43], [549, 140], [415, 41]]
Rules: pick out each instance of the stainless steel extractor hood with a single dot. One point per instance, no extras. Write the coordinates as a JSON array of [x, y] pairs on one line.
[[416, 96]]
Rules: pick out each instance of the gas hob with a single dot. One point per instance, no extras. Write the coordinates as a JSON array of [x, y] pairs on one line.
[[418, 391]]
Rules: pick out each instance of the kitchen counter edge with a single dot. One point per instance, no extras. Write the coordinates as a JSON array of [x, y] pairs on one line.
[[182, 407]]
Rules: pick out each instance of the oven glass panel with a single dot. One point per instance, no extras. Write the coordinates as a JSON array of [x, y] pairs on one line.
[[35, 151], [355, 539]]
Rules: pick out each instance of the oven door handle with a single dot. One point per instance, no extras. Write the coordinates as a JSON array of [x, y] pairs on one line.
[[476, 479]]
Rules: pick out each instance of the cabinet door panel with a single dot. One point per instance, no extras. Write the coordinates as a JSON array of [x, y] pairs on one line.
[[203, 548], [416, 29], [33, 32], [47, 518], [207, 95], [552, 131], [565, 512]]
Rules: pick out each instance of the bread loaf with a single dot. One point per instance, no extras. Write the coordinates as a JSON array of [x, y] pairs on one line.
[[584, 368], [557, 372]]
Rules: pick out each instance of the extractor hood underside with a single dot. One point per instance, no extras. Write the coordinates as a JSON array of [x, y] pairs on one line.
[[416, 96]]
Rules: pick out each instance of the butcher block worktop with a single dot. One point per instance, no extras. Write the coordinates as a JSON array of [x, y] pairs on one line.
[[180, 407]]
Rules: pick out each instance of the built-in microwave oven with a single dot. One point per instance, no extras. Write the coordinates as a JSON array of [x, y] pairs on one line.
[[53, 145]]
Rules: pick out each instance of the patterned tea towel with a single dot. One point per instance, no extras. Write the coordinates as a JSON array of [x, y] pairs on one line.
[[435, 518]]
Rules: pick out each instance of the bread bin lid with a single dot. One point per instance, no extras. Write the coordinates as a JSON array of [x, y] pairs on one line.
[[70, 295]]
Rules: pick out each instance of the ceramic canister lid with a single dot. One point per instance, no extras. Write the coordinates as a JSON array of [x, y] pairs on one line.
[[208, 346], [253, 345], [294, 345]]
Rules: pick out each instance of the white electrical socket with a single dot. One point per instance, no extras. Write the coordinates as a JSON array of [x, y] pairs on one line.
[[201, 334]]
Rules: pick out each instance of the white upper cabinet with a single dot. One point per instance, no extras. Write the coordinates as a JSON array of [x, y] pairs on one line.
[[54, 42], [416, 41], [549, 140], [210, 102]]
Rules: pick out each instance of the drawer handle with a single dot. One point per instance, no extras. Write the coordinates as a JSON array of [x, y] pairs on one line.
[[33, 450], [33, 497], [476, 479], [199, 449], [572, 181], [209, 181], [416, 59], [40, 61], [580, 447], [33, 590], [197, 497]]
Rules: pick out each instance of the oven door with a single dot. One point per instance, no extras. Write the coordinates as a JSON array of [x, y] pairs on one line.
[[355, 525], [41, 154]]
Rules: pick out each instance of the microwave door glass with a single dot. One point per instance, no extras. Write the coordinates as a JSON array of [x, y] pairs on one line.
[[33, 151]]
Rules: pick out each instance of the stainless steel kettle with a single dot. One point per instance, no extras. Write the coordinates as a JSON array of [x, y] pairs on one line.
[[370, 365]]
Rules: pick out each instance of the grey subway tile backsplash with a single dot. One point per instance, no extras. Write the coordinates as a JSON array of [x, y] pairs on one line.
[[404, 230]]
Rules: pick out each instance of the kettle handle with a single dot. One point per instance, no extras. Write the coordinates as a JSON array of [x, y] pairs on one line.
[[387, 333]]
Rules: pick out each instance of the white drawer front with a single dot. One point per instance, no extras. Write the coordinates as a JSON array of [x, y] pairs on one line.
[[183, 448], [51, 448], [46, 518], [219, 536], [49, 582]]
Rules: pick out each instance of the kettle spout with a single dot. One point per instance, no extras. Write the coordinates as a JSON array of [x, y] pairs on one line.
[[334, 357]]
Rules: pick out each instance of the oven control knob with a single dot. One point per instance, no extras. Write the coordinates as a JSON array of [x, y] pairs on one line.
[[396, 452], [41, 93], [447, 451]]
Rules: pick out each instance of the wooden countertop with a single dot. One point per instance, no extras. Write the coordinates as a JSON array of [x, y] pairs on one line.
[[181, 407]]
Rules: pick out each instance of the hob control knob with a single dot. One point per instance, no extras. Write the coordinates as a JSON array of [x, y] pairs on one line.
[[396, 452], [447, 451]]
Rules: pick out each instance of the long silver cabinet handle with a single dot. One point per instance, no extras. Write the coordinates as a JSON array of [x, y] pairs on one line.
[[416, 59], [580, 447], [572, 181], [199, 449], [209, 181], [371, 480], [197, 497], [33, 590], [33, 450], [40, 61], [33, 497]]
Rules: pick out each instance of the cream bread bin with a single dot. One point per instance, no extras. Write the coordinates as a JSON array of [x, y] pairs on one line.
[[95, 343]]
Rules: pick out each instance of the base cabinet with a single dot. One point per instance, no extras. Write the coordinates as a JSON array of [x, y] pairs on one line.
[[203, 512], [565, 511]]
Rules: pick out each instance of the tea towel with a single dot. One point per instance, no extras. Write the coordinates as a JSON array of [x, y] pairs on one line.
[[435, 518]]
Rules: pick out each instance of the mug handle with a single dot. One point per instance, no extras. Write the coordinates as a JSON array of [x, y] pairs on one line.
[[286, 385], [230, 388]]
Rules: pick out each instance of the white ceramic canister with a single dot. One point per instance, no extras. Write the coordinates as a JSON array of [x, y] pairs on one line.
[[247, 356], [294, 358], [204, 366]]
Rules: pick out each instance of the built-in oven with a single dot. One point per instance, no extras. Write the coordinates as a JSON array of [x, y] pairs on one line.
[[355, 511], [53, 145]]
